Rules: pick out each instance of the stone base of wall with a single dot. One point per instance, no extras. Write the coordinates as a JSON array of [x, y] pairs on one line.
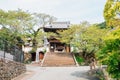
[[10, 69], [27, 58]]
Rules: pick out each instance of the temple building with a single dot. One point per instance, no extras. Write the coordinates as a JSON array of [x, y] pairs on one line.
[[53, 44]]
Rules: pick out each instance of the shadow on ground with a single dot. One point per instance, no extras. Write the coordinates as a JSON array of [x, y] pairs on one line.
[[84, 75]]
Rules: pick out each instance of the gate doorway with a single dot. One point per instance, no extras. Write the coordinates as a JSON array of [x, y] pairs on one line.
[[33, 56]]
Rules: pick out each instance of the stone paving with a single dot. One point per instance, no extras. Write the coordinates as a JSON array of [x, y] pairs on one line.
[[56, 73]]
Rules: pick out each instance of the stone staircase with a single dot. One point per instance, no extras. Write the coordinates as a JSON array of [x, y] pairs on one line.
[[58, 59]]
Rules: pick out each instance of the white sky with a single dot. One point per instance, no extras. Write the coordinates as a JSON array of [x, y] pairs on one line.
[[74, 11]]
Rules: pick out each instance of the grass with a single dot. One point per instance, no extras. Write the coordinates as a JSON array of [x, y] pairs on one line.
[[79, 59]]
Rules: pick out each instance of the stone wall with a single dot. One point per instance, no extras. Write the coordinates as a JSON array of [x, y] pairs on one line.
[[10, 69]]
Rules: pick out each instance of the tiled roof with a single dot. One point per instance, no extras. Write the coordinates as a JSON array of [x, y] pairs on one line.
[[59, 25]]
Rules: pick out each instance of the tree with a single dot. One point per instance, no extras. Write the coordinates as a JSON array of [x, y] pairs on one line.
[[86, 38], [24, 24], [110, 53], [102, 25], [14, 23], [112, 12], [66, 36], [36, 25]]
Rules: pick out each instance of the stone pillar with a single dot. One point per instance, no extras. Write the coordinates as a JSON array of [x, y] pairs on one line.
[[72, 49], [47, 49], [37, 55]]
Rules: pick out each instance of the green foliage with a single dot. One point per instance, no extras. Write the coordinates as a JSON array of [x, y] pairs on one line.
[[12, 25], [14, 20], [110, 53], [50, 34], [39, 38], [44, 51], [102, 25], [22, 24], [32, 51], [111, 12], [66, 36], [6, 35], [36, 25], [114, 64], [84, 37], [79, 59]]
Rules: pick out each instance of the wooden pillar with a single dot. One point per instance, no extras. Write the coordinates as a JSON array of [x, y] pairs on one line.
[[68, 48]]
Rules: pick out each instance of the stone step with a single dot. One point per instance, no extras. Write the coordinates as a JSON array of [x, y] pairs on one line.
[[58, 59]]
